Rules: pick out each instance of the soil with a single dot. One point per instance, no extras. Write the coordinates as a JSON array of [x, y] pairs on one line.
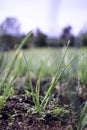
[[18, 112]]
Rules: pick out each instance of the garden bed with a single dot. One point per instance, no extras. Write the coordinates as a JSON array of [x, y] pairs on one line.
[[61, 113]]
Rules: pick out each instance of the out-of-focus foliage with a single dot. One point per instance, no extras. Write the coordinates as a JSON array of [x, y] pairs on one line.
[[67, 35], [84, 39], [11, 37], [40, 39], [8, 42], [10, 26]]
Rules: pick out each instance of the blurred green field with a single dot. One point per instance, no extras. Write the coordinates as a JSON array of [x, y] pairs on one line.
[[50, 58]]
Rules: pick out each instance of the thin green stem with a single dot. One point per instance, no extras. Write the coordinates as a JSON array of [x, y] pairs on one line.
[[30, 82]]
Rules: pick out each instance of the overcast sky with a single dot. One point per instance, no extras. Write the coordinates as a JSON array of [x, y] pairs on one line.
[[51, 16]]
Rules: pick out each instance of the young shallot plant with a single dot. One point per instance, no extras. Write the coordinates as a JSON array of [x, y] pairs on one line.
[[59, 73], [35, 96], [40, 106]]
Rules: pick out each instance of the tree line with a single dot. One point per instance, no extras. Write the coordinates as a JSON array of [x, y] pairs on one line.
[[11, 37]]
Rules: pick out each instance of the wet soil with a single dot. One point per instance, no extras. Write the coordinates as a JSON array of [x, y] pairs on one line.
[[18, 113]]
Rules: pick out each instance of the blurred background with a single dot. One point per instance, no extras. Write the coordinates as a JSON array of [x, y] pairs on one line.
[[53, 22]]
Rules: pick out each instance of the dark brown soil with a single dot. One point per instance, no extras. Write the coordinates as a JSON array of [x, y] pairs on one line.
[[18, 113]]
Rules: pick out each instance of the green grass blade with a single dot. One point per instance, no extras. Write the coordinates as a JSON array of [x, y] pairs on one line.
[[2, 63], [38, 83], [61, 62], [15, 57], [84, 120], [84, 123], [82, 116]]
